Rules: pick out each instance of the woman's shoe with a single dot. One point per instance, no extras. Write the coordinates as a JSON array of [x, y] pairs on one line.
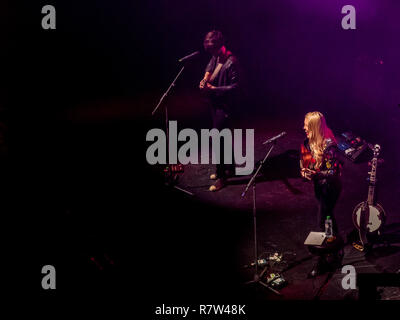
[[331, 239], [213, 176], [313, 273]]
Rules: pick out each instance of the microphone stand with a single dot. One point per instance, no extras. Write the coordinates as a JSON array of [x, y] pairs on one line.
[[257, 277], [167, 120]]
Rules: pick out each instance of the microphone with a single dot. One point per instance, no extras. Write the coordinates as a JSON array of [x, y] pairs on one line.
[[190, 56], [276, 137]]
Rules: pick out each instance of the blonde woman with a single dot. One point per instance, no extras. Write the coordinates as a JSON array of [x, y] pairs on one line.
[[320, 164]]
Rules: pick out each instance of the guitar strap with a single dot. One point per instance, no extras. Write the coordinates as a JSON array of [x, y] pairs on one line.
[[216, 71], [219, 67]]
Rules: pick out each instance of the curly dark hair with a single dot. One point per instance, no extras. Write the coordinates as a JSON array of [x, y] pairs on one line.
[[216, 36]]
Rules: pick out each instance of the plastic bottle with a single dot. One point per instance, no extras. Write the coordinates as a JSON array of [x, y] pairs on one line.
[[328, 227]]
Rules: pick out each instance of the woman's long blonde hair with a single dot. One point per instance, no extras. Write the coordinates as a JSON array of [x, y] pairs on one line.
[[319, 133]]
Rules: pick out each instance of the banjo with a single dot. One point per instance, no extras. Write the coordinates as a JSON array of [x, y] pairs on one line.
[[368, 216]]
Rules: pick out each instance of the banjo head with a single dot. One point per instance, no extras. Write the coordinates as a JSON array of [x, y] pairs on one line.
[[376, 217]]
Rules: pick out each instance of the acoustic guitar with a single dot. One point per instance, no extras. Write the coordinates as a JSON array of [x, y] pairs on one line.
[[306, 160]]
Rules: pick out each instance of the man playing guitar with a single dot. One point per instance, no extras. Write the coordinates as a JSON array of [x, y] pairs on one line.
[[220, 83]]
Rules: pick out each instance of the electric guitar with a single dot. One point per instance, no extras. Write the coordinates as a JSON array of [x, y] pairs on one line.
[[368, 216]]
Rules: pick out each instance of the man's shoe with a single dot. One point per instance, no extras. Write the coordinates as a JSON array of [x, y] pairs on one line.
[[217, 186]]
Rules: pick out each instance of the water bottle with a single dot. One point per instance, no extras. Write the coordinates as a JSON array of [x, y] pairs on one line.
[[328, 227]]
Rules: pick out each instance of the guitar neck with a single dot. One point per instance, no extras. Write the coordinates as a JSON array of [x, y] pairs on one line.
[[372, 180], [371, 195]]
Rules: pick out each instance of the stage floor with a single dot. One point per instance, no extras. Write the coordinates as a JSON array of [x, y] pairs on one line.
[[167, 244], [287, 212]]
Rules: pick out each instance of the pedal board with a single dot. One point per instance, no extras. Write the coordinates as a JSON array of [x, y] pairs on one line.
[[353, 147], [276, 281], [174, 168]]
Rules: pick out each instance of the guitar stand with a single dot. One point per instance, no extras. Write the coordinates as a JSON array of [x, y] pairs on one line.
[[257, 277], [171, 179], [371, 240]]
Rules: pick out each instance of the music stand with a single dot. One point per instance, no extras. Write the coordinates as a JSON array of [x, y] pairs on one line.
[[166, 123], [257, 277]]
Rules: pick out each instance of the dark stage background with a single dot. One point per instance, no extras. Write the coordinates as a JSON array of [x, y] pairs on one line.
[[77, 107]]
